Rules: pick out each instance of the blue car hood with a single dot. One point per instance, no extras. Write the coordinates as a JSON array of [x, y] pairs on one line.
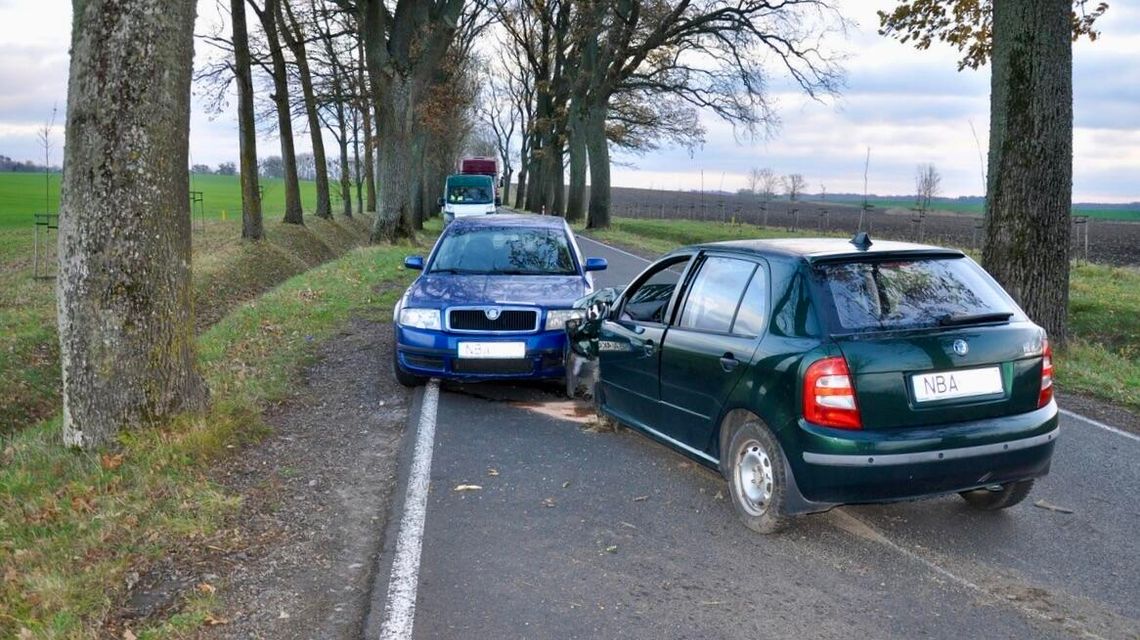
[[438, 291]]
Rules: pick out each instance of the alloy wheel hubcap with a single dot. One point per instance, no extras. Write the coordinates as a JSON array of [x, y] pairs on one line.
[[754, 478]]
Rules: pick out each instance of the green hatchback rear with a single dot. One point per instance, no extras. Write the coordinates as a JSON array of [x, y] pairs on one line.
[[820, 372]]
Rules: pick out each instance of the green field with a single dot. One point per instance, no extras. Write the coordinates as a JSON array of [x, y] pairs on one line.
[[22, 195], [977, 208]]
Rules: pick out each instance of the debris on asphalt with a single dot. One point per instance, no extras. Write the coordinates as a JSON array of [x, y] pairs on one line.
[[468, 487], [641, 498], [566, 485], [718, 496], [548, 503], [491, 471], [1041, 504], [611, 549]]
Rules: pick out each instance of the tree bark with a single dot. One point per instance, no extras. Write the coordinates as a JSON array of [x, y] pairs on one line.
[[397, 175], [295, 40], [1030, 158], [125, 320], [520, 189], [251, 224], [598, 148], [576, 201], [267, 16]]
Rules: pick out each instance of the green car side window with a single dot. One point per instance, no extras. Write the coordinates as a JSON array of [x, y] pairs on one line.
[[715, 294], [753, 309]]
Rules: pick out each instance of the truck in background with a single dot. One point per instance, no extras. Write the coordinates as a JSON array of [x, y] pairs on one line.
[[468, 195], [482, 166]]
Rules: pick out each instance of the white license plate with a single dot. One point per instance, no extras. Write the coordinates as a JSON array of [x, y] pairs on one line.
[[964, 383], [492, 349]]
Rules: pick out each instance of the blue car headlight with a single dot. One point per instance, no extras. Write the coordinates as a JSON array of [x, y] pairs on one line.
[[420, 319], [556, 318]]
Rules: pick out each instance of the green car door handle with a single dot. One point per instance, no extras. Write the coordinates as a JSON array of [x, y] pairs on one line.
[[728, 362]]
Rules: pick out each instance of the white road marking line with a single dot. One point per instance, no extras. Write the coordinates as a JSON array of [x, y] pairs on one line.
[[400, 608], [1106, 427], [1071, 414], [855, 525]]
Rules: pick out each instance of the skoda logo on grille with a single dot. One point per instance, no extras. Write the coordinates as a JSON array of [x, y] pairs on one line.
[[961, 348], [492, 313]]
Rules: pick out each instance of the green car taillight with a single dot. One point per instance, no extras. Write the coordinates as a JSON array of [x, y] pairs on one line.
[[1046, 377], [829, 395]]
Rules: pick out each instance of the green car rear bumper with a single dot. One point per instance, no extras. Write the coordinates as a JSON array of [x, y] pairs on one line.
[[837, 466]]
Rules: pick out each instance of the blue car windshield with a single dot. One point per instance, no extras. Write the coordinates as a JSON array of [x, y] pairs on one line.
[[504, 251]]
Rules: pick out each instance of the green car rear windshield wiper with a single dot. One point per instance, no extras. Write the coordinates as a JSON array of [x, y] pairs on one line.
[[951, 320]]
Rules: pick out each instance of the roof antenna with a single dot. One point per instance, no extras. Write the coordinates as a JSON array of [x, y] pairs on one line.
[[862, 241]]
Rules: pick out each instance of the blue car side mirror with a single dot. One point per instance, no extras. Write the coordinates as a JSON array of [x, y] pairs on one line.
[[414, 262], [596, 264]]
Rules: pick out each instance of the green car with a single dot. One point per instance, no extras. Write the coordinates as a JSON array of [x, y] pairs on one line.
[[819, 372]]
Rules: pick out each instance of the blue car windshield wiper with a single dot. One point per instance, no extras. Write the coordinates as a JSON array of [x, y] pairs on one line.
[[462, 272]]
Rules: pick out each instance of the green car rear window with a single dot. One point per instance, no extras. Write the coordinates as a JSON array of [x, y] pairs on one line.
[[909, 293]]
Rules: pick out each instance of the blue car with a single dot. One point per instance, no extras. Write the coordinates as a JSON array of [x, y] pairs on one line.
[[492, 302]]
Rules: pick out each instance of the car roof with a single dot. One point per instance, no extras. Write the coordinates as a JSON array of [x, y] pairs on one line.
[[813, 249], [510, 220]]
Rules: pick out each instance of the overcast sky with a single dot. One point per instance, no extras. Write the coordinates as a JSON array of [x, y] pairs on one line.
[[909, 106]]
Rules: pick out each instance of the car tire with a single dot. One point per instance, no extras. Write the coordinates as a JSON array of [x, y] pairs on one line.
[[757, 478], [571, 376], [403, 377], [1004, 497]]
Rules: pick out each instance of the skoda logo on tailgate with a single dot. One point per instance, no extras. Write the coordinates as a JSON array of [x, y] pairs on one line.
[[492, 313], [961, 348]]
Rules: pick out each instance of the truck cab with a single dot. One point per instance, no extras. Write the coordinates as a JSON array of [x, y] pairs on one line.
[[467, 195]]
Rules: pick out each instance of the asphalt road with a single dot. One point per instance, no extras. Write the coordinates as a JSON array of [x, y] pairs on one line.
[[575, 534]]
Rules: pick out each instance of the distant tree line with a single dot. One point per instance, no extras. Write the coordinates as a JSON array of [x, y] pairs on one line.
[[28, 166]]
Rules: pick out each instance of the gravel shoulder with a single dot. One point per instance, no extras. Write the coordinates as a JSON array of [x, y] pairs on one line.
[[315, 498]]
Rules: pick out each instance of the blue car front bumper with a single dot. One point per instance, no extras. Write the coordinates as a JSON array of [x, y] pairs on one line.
[[436, 354]]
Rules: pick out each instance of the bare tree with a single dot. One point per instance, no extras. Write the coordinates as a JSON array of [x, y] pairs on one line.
[[44, 135], [927, 186], [126, 327], [295, 34], [794, 185], [497, 112]]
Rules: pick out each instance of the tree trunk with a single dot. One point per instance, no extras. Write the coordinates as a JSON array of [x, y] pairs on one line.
[[345, 180], [126, 325], [558, 178], [416, 197], [1030, 158], [520, 189], [294, 38], [397, 174], [293, 211], [576, 202], [599, 150], [251, 227], [366, 115]]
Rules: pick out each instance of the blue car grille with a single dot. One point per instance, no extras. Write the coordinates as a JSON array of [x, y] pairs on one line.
[[519, 320]]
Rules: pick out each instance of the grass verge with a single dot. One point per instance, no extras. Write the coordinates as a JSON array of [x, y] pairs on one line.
[[227, 271], [77, 527], [1102, 359]]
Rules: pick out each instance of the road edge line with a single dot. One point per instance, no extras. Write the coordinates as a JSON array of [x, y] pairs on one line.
[[403, 581], [1107, 427], [1071, 414]]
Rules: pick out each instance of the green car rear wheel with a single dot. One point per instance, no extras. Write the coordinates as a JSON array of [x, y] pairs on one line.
[[757, 478]]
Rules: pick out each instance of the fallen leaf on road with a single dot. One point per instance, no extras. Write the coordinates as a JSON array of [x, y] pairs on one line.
[[626, 524], [719, 496], [549, 502], [129, 635], [468, 487], [206, 587], [211, 621], [492, 472], [283, 616], [611, 549], [1041, 504], [566, 485], [641, 498]]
